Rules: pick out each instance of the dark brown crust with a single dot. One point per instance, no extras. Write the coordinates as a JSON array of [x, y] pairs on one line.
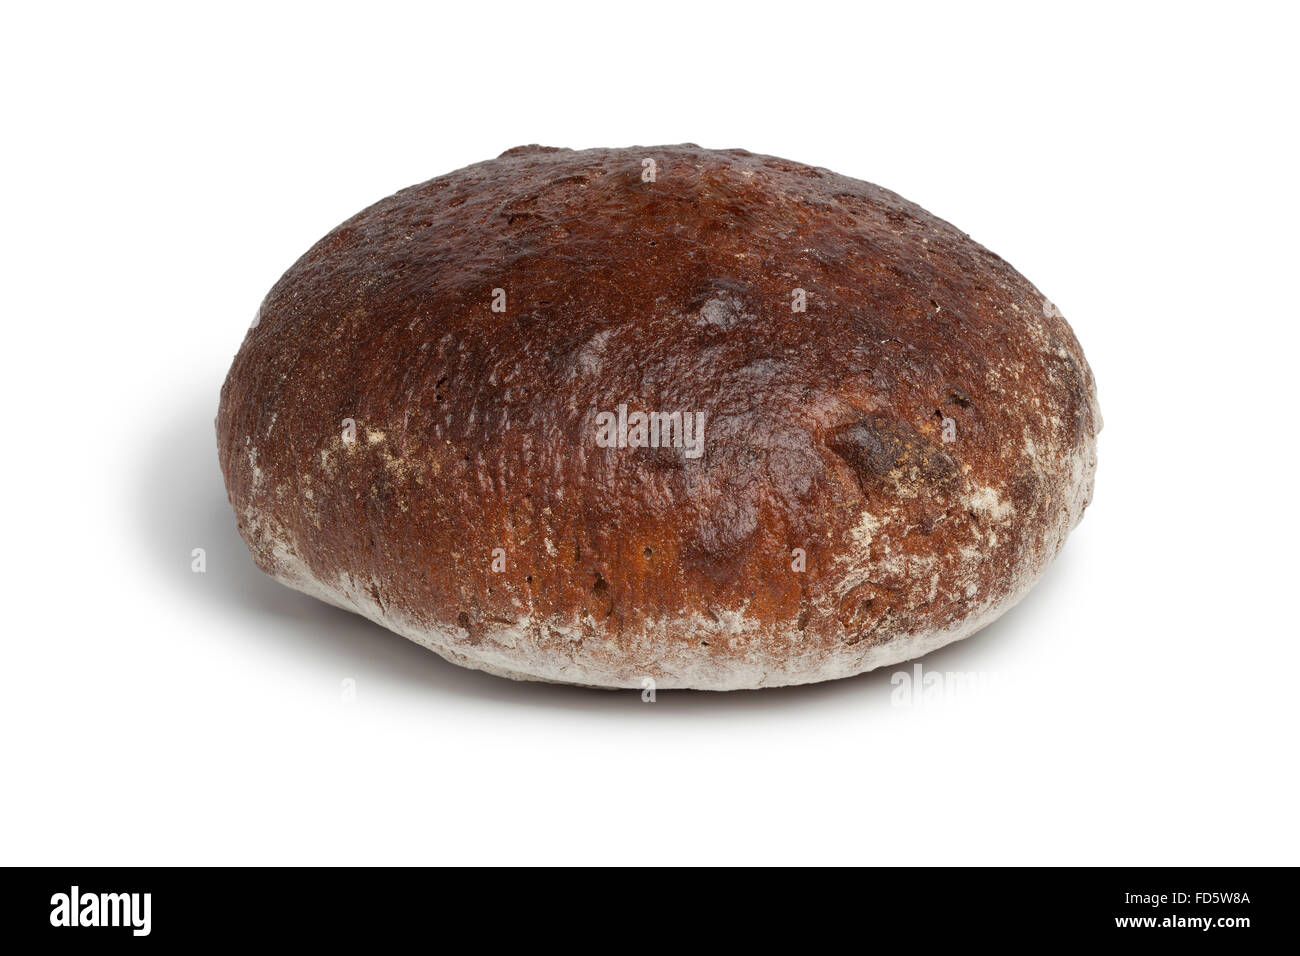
[[475, 430]]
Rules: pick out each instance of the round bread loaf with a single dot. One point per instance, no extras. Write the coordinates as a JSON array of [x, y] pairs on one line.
[[706, 417]]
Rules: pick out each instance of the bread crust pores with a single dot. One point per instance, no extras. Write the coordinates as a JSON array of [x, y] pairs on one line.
[[878, 474]]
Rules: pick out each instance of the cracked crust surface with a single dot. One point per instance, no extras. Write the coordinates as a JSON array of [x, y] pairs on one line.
[[920, 440]]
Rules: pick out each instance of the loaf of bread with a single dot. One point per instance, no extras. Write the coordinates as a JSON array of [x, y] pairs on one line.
[[711, 418]]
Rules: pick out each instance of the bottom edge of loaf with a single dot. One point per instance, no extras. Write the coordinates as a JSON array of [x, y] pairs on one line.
[[751, 672]]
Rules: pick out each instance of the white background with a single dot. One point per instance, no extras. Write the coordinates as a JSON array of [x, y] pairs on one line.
[[161, 168]]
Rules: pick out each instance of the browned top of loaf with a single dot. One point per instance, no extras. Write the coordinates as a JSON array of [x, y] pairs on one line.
[[476, 429]]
